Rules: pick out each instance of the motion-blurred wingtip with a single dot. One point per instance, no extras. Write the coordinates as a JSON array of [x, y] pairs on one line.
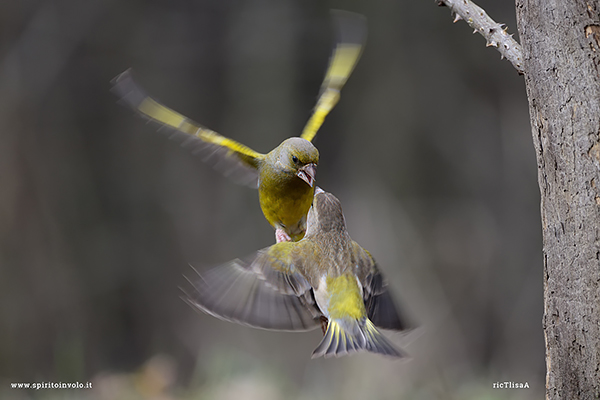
[[351, 27], [128, 91]]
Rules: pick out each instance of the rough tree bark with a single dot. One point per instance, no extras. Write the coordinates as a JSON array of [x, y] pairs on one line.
[[561, 50]]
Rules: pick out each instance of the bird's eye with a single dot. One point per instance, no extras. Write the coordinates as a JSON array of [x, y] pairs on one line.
[[295, 159]]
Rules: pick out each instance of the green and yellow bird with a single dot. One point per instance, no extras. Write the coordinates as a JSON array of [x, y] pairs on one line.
[[325, 278], [285, 176]]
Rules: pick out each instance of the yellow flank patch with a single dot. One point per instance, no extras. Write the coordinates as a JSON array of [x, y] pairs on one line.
[[345, 299]]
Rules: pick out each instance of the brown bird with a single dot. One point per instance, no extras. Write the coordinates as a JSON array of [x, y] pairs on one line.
[[325, 278]]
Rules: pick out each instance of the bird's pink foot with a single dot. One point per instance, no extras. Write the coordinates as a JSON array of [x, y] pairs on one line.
[[281, 236]]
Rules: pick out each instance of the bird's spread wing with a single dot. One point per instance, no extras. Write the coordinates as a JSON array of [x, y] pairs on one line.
[[232, 158], [380, 305], [265, 291], [352, 33]]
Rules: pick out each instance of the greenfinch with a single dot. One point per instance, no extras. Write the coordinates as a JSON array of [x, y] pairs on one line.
[[324, 279], [285, 176]]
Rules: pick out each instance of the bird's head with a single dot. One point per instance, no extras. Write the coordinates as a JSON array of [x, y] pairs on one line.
[[325, 215], [301, 157]]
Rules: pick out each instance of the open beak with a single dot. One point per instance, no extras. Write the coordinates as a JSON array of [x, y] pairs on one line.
[[307, 173]]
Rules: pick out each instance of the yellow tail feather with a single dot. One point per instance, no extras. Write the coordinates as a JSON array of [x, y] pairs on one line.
[[347, 336]]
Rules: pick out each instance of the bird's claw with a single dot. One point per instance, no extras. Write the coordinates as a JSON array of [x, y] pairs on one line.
[[281, 236]]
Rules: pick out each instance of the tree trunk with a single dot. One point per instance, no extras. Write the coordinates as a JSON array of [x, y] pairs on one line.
[[561, 49]]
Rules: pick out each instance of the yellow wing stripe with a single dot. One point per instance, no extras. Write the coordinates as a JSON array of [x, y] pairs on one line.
[[161, 113], [213, 137], [171, 118], [343, 61], [328, 100]]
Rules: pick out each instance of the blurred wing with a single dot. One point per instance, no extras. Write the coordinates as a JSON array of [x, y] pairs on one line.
[[264, 292], [231, 158], [352, 34], [381, 308]]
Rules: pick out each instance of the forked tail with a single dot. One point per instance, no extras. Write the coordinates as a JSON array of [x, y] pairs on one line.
[[347, 336]]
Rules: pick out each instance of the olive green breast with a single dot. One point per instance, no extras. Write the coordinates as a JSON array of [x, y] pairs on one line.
[[284, 198]]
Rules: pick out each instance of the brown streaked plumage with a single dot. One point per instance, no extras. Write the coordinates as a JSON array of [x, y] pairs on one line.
[[326, 279]]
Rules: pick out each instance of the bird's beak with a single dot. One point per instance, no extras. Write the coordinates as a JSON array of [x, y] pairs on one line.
[[307, 173]]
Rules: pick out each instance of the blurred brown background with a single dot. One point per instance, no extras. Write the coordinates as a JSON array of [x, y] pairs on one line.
[[429, 151]]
